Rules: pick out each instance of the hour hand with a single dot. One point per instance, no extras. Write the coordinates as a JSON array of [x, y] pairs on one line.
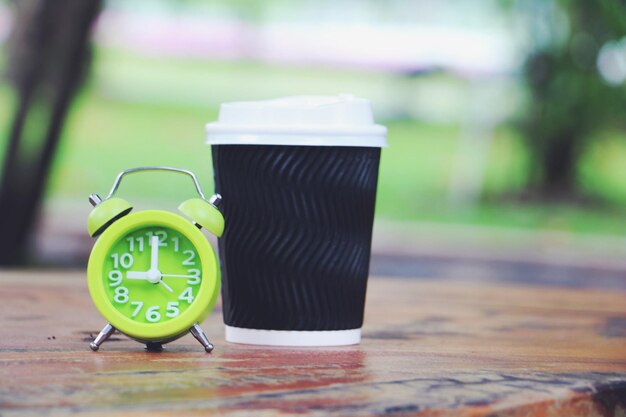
[[136, 275]]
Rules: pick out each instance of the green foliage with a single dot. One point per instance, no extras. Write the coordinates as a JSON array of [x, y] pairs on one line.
[[569, 100]]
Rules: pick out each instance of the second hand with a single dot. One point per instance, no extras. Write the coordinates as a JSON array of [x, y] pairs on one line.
[[178, 276]]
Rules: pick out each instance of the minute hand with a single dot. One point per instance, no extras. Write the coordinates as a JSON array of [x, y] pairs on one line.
[[154, 254]]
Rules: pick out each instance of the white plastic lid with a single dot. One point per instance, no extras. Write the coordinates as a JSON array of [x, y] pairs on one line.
[[342, 120]]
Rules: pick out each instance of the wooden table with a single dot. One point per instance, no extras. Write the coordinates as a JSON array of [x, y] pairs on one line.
[[444, 347]]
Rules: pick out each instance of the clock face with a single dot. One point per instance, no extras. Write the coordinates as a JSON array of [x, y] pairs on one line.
[[152, 274]]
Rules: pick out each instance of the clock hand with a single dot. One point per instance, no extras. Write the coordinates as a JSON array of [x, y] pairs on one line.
[[177, 276], [154, 254], [167, 287], [136, 275]]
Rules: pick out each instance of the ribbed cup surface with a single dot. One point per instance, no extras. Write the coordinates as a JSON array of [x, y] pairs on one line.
[[296, 247]]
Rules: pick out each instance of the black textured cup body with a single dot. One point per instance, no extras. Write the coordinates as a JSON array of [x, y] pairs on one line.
[[296, 248]]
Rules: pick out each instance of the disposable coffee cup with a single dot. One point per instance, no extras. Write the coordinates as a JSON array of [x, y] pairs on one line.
[[298, 179]]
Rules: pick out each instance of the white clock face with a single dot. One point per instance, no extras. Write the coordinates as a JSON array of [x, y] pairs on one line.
[[152, 274]]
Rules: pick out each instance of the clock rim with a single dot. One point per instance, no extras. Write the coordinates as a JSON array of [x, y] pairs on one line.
[[199, 309]]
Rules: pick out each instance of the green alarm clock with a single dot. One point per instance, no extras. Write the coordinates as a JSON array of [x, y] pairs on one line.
[[152, 274]]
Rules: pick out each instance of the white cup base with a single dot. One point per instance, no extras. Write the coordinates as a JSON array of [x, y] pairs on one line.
[[293, 337]]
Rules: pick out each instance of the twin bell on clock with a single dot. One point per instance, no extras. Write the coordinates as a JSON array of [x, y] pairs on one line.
[[152, 274]]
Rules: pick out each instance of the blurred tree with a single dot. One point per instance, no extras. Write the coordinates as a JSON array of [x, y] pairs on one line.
[[48, 53], [570, 99]]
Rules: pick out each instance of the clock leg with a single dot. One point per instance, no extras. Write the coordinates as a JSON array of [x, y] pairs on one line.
[[107, 331], [198, 333], [154, 347]]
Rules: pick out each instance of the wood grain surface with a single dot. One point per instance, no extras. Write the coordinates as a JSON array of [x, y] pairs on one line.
[[445, 347]]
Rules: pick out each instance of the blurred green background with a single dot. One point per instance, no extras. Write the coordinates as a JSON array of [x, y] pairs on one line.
[[469, 115]]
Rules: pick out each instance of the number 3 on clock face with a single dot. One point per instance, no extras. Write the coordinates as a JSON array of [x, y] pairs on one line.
[[157, 275]]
